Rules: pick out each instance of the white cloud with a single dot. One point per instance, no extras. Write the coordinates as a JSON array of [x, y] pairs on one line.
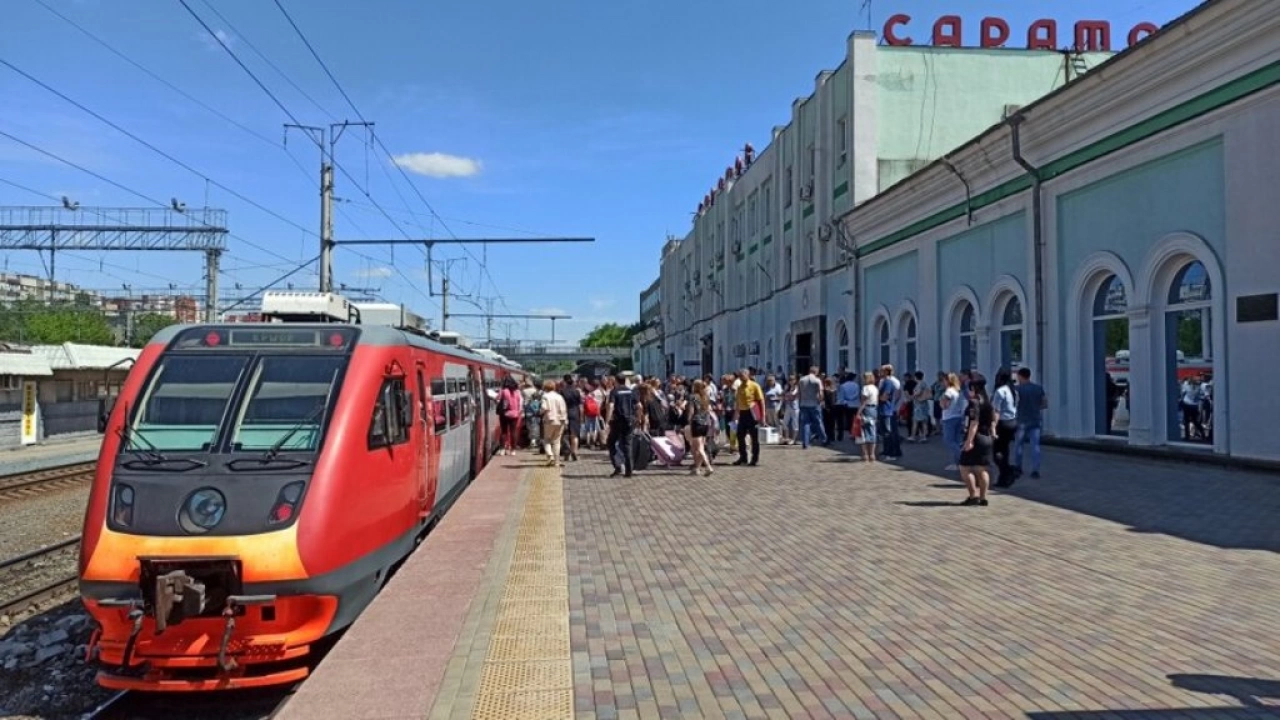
[[439, 165], [375, 272], [600, 304], [548, 311], [213, 44]]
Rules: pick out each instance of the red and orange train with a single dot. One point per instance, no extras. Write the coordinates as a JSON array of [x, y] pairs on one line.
[[256, 485]]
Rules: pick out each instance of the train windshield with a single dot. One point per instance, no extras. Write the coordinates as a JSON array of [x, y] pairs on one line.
[[284, 407], [282, 403]]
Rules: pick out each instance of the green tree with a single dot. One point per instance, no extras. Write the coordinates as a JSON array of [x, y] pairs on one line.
[[32, 322], [147, 325], [610, 335]]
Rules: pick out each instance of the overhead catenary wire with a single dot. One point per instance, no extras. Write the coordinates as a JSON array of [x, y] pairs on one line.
[[288, 113], [382, 146], [200, 103]]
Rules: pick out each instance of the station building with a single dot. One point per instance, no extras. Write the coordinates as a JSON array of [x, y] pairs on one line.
[[754, 281], [1117, 236]]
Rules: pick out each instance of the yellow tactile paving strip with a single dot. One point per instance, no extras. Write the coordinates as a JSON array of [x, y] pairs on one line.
[[528, 670]]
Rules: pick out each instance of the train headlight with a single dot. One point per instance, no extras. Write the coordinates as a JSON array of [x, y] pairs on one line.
[[202, 511], [286, 504], [122, 505]]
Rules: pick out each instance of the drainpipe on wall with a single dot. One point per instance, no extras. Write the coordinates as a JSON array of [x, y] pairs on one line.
[[847, 244], [1015, 123]]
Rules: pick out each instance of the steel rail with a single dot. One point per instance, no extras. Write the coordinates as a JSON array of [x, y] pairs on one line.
[[12, 486], [47, 591]]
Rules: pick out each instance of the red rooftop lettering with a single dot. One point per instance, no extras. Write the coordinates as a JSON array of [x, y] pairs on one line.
[[994, 32]]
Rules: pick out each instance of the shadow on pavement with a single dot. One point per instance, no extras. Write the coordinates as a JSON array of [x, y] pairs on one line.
[[1225, 508]]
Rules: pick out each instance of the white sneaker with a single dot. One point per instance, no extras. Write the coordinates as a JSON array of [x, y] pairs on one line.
[[952, 468]]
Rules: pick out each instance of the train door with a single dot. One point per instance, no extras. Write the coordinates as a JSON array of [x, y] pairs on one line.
[[479, 422], [423, 444]]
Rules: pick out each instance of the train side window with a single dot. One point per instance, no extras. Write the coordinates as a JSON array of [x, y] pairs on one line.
[[439, 411], [455, 413], [393, 408]]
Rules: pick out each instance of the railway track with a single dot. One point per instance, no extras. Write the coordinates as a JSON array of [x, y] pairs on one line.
[[39, 575], [28, 484], [255, 704]]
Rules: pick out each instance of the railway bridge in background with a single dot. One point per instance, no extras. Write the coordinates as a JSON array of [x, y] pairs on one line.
[[548, 357]]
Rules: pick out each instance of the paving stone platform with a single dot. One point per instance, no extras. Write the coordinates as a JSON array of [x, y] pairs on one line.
[[814, 586]]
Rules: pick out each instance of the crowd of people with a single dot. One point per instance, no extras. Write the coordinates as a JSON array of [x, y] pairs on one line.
[[625, 413]]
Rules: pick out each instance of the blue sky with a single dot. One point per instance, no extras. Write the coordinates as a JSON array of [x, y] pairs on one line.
[[517, 119]]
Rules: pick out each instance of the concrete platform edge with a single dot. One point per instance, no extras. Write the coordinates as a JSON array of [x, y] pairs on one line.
[[394, 660]]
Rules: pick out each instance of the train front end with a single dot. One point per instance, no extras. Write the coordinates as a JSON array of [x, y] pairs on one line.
[[190, 561]]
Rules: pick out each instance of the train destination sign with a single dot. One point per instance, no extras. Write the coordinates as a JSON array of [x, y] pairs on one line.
[[994, 32]]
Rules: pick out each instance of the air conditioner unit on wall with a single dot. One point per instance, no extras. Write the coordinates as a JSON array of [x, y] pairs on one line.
[[737, 247], [806, 192], [824, 232]]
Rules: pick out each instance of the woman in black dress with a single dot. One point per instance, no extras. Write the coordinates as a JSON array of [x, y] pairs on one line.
[[979, 443]]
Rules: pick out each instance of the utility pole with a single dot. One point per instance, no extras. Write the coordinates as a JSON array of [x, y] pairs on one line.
[[326, 143], [444, 302]]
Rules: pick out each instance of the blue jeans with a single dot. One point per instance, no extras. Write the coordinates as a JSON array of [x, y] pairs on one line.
[[811, 417], [1027, 433], [889, 425], [951, 436]]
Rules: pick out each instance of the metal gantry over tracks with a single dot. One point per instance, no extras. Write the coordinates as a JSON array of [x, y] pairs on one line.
[[71, 227]]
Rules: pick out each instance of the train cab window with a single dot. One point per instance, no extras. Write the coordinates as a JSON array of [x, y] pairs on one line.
[[186, 401], [455, 413], [392, 415], [286, 403], [437, 387]]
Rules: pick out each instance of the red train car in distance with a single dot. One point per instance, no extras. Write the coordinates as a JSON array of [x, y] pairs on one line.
[[259, 481]]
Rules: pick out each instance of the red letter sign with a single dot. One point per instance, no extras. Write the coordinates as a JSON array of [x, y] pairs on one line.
[[892, 38], [951, 38], [1046, 41], [1141, 31], [999, 37], [1093, 36]]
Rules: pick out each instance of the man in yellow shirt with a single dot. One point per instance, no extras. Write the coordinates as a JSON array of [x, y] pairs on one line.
[[750, 407]]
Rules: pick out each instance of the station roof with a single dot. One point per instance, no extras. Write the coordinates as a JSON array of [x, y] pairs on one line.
[[22, 362], [73, 356]]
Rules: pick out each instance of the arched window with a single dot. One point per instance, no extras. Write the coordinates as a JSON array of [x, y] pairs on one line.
[[910, 358], [1111, 358], [1189, 354], [966, 338], [842, 346], [884, 341], [1011, 334]]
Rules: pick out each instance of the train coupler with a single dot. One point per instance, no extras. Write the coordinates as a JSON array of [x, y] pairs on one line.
[[235, 605]]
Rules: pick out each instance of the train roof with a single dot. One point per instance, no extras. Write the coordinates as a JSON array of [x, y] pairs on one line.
[[370, 335]]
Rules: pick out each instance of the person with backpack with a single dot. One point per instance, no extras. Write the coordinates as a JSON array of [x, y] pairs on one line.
[[533, 415], [510, 408], [573, 401], [622, 423]]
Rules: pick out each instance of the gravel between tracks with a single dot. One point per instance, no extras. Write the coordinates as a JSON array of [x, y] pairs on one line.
[[32, 523]]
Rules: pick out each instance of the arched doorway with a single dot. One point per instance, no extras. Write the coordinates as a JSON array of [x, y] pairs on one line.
[[882, 335], [842, 347], [966, 337], [910, 345], [1011, 333], [1188, 355], [1110, 361]]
